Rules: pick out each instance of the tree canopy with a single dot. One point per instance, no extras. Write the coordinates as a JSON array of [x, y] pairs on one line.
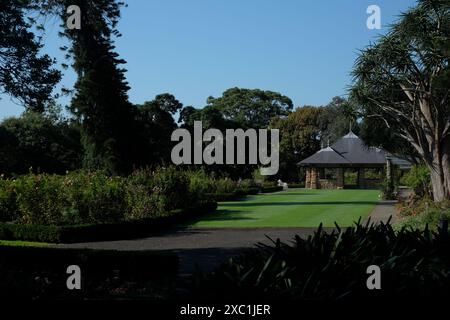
[[155, 124], [336, 119], [41, 142], [250, 108], [404, 80], [299, 138], [25, 75]]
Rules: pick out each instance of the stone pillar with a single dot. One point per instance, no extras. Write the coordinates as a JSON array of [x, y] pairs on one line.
[[308, 178], [314, 178], [340, 178], [361, 178]]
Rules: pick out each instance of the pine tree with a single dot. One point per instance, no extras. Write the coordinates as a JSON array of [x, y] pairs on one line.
[[101, 100]]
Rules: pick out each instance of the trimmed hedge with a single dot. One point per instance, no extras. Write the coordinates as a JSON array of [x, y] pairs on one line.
[[250, 190], [105, 231], [296, 185], [271, 189], [226, 196], [239, 193]]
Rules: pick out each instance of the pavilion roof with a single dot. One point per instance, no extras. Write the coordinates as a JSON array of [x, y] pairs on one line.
[[348, 150]]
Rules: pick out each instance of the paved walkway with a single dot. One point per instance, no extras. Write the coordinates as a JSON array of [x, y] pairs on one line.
[[383, 211], [204, 247], [208, 247]]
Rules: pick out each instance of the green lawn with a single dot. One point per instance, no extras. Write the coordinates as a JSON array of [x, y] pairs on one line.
[[293, 208], [18, 243]]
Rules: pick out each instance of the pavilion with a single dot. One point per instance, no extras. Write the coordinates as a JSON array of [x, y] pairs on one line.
[[325, 169]]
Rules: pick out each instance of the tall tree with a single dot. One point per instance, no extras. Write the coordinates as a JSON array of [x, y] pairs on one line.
[[45, 142], [155, 124], [24, 74], [251, 108], [299, 138], [404, 79], [101, 99], [336, 119]]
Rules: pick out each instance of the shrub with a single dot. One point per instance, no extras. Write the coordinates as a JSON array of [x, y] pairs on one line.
[[224, 185], [247, 183], [84, 197], [170, 189], [93, 198], [418, 179], [140, 204], [414, 263], [8, 205], [138, 195], [388, 190], [350, 177], [270, 189], [296, 185], [40, 198], [200, 185], [269, 184], [423, 213], [102, 231], [249, 190]]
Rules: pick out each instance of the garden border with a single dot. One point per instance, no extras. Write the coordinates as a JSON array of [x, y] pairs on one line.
[[99, 232]]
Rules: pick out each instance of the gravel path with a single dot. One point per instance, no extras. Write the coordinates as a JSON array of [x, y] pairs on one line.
[[203, 247], [383, 210]]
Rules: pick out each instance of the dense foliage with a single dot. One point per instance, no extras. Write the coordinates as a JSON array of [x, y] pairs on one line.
[[43, 142], [299, 138], [333, 265], [94, 197], [418, 179], [422, 212], [137, 228], [241, 108], [25, 74]]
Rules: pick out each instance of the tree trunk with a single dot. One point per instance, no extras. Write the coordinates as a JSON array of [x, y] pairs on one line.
[[446, 167], [438, 184], [440, 175]]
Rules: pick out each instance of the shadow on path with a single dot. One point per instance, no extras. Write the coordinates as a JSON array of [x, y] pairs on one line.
[[203, 247]]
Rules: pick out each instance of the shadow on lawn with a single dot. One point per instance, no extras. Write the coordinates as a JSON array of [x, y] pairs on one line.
[[257, 204], [224, 215], [281, 193]]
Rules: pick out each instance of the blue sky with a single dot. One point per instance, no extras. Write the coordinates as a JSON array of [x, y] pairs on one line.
[[198, 48]]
